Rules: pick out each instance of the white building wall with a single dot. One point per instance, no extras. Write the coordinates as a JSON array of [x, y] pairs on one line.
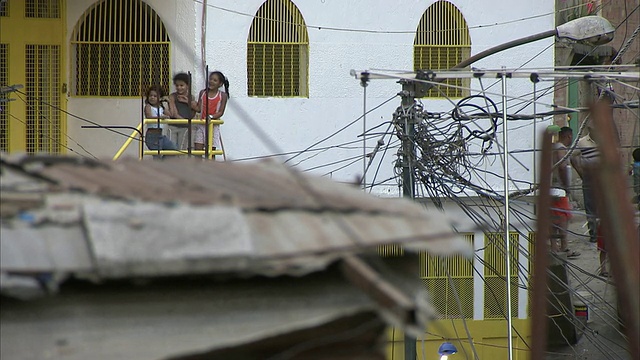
[[179, 20], [335, 98]]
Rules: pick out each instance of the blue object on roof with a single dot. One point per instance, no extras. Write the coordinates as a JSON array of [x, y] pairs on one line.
[[447, 348]]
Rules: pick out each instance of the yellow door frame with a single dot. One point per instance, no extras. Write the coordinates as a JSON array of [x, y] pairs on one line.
[[18, 31]]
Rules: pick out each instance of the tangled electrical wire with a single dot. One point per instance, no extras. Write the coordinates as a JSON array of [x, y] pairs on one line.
[[444, 152]]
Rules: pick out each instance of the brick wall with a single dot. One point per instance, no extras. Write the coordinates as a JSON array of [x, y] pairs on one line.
[[627, 121]]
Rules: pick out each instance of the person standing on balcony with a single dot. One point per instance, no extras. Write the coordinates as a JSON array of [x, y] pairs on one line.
[[212, 102], [181, 104], [154, 136], [586, 161]]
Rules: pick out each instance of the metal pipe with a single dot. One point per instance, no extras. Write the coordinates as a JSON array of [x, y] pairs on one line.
[[181, 152], [189, 131], [505, 46], [140, 146], [620, 233], [182, 121], [539, 296], [207, 144], [158, 123], [364, 84], [208, 155], [535, 130], [505, 149]]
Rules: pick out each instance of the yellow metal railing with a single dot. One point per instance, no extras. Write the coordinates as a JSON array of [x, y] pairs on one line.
[[141, 152], [126, 144]]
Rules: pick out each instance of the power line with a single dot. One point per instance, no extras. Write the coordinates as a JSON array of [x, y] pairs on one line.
[[342, 128], [49, 136], [371, 31], [73, 115], [52, 124], [329, 147]]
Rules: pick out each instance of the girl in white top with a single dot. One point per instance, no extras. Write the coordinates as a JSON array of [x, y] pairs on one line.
[[154, 139]]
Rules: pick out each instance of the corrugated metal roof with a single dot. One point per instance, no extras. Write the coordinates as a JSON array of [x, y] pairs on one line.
[[260, 186], [189, 216], [171, 220]]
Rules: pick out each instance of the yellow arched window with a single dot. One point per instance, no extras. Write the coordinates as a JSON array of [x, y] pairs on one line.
[[278, 51], [442, 41], [121, 47]]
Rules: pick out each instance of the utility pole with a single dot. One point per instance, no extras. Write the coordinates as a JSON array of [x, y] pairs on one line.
[[405, 118]]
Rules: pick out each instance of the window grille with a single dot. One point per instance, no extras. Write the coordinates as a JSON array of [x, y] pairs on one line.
[[442, 41], [532, 251], [43, 123], [121, 48], [42, 9], [4, 7], [278, 51], [433, 271], [4, 106], [390, 250], [495, 288]]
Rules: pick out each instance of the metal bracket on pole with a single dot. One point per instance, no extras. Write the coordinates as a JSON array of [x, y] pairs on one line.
[[364, 82]]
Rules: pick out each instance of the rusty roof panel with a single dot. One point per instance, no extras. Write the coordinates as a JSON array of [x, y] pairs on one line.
[[263, 186], [187, 216]]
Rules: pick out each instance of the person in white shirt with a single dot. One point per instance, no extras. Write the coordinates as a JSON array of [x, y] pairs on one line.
[[560, 182]]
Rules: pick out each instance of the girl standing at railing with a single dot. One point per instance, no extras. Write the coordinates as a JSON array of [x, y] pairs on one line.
[[181, 106], [212, 102], [154, 137]]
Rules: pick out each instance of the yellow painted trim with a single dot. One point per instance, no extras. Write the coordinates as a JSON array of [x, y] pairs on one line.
[[488, 336], [181, 152], [134, 134], [183, 121], [141, 151], [18, 31]]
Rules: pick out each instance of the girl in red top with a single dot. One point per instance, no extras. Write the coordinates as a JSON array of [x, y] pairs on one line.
[[211, 104]]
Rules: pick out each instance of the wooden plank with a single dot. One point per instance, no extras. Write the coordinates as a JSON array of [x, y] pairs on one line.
[[382, 292]]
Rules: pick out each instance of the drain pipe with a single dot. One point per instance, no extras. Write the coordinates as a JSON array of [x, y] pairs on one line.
[[203, 40]]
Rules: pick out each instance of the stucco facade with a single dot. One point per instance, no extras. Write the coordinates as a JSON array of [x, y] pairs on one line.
[[335, 98]]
